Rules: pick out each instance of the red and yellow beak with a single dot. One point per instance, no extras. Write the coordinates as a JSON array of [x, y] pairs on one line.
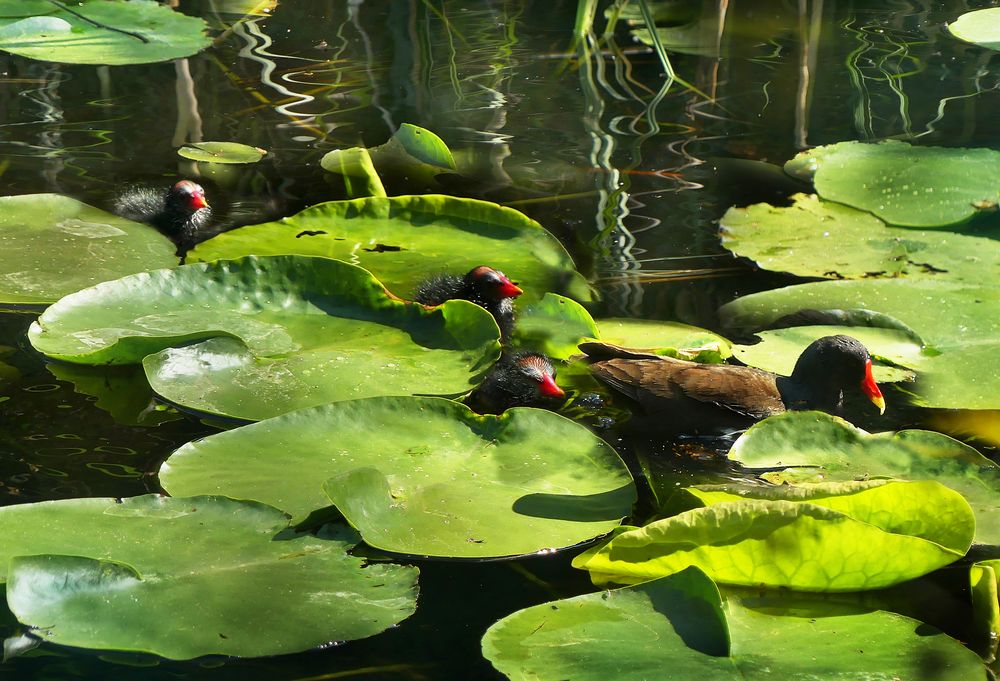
[[197, 201], [870, 388], [548, 388], [509, 289]]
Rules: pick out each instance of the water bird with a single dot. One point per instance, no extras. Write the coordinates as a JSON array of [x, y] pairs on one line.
[[518, 379], [694, 396], [180, 212], [484, 286]]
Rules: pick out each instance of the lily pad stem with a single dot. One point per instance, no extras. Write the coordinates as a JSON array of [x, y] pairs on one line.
[[98, 24]]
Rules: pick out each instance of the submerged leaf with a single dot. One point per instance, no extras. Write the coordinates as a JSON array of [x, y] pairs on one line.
[[221, 152]]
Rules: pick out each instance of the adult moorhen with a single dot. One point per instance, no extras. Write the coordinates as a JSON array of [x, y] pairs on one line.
[[180, 212], [516, 380], [695, 396], [484, 286]]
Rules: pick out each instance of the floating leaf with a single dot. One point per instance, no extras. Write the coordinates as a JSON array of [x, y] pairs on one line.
[[101, 32], [225, 576], [284, 332], [902, 184], [814, 238], [984, 588], [804, 538], [554, 325], [442, 481], [221, 152], [403, 240], [847, 453], [54, 245], [424, 145], [355, 165], [981, 27], [678, 627], [671, 339], [959, 324]]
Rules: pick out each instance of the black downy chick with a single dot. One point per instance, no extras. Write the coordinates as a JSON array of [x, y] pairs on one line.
[[516, 380], [179, 213], [484, 286]]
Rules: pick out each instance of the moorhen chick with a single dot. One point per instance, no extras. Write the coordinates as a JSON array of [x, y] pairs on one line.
[[180, 212], [484, 286], [516, 380], [721, 396]]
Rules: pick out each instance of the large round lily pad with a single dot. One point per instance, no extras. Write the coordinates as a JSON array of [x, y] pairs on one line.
[[404, 239], [54, 245], [184, 578], [848, 536], [441, 481], [981, 27], [843, 452], [959, 325], [814, 238], [101, 32], [902, 184], [277, 334], [679, 627]]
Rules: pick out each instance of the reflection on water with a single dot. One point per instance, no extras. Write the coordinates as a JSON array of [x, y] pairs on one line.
[[629, 173]]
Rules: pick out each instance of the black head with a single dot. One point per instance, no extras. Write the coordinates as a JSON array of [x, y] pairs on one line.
[[491, 284], [831, 365], [186, 197], [515, 381]]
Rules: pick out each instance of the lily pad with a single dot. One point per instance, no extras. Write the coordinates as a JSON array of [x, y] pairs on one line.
[[404, 239], [54, 245], [981, 27], [672, 339], [101, 32], [828, 537], [902, 184], [679, 627], [844, 452], [222, 574], [221, 152], [984, 587], [814, 238], [959, 324], [424, 146], [554, 325], [355, 165], [283, 333], [442, 481]]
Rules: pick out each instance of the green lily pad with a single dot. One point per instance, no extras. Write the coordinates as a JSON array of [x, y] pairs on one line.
[[404, 239], [981, 27], [984, 588], [355, 165], [101, 32], [671, 339], [844, 452], [814, 238], [679, 627], [221, 152], [226, 577], [442, 481], [54, 245], [424, 145], [779, 349], [277, 334], [902, 184], [25, 8], [959, 324], [806, 538], [554, 325]]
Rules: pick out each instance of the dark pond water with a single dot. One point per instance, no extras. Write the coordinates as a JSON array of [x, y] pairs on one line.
[[630, 174]]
